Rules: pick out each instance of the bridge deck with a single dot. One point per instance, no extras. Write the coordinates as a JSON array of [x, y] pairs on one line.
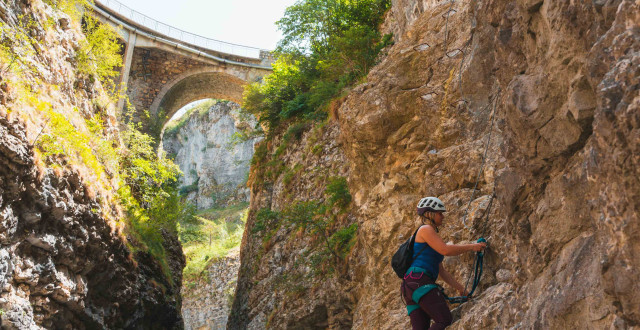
[[134, 21]]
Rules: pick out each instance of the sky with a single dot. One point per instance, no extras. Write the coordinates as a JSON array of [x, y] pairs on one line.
[[244, 22]]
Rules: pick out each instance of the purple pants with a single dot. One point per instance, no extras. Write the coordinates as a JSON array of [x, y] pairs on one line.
[[433, 306]]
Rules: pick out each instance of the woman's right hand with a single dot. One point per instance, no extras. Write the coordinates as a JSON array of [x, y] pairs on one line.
[[477, 247]]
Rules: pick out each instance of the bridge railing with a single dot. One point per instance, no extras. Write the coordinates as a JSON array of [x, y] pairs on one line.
[[178, 34]]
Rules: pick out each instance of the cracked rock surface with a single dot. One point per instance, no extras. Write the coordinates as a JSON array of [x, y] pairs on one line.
[[563, 167]]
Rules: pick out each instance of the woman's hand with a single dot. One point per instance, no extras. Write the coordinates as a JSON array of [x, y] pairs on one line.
[[477, 247]]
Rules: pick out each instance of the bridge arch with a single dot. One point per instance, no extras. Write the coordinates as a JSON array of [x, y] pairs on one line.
[[196, 85]]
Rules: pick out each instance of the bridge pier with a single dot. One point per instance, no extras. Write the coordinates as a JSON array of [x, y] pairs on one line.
[[126, 68]]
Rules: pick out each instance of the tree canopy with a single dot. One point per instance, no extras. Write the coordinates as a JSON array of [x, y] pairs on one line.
[[327, 45]]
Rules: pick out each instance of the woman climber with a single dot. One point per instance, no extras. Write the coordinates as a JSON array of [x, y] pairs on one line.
[[424, 304]]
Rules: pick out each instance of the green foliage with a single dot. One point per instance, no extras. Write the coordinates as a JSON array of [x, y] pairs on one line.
[[265, 218], [337, 192], [302, 214], [288, 176], [210, 236], [142, 169], [145, 181], [173, 127], [260, 154], [17, 45], [89, 147], [327, 46], [295, 131], [73, 8], [186, 190], [343, 240], [147, 189], [318, 219], [149, 193], [99, 52]]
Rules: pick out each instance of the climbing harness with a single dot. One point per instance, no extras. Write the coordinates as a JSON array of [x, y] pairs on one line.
[[424, 289]]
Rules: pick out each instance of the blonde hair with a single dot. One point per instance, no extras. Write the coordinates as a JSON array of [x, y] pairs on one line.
[[431, 218]]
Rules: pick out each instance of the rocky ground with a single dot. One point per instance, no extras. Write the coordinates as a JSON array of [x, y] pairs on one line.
[[561, 81]]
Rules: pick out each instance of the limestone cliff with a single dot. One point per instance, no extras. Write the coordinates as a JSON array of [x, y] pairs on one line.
[[555, 87], [65, 262], [207, 303], [214, 167]]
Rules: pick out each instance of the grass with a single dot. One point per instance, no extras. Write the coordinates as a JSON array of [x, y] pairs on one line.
[[210, 237]]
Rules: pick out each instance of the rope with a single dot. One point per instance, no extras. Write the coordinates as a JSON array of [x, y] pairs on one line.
[[477, 267], [475, 272], [484, 158], [477, 275], [446, 26]]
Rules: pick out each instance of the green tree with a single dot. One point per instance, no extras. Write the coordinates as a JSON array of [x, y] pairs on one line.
[[99, 52], [327, 46]]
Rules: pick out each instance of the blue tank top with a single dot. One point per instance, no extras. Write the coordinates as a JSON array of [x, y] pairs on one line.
[[429, 259]]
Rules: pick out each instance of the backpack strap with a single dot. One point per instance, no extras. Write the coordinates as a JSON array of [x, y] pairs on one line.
[[413, 240]]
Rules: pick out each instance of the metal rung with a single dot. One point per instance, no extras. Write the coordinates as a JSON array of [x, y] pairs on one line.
[[429, 96], [449, 12], [454, 53]]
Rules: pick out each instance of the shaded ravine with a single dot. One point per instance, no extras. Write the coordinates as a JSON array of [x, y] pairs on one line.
[[215, 165]]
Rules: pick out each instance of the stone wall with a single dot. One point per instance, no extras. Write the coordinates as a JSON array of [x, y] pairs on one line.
[[151, 70], [161, 79], [206, 303]]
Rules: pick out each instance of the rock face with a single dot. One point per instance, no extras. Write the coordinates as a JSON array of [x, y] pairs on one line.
[[62, 265], [556, 87], [64, 260], [206, 305], [215, 170]]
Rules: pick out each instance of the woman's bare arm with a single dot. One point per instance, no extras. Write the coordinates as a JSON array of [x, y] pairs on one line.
[[448, 278], [429, 235]]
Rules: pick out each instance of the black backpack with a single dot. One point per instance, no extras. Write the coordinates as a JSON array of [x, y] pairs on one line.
[[403, 258]]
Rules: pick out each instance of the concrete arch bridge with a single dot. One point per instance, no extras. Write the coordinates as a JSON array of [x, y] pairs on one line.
[[166, 68]]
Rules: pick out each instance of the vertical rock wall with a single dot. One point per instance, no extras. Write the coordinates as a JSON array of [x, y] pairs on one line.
[[64, 261], [215, 169], [207, 303], [561, 174]]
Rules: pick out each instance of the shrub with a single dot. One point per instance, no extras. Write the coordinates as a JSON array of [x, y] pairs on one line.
[[259, 154], [337, 192], [327, 46], [265, 218], [99, 52], [302, 214], [343, 240], [186, 190], [210, 237]]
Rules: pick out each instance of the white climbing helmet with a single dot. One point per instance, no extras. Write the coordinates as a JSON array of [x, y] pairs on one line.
[[430, 204]]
